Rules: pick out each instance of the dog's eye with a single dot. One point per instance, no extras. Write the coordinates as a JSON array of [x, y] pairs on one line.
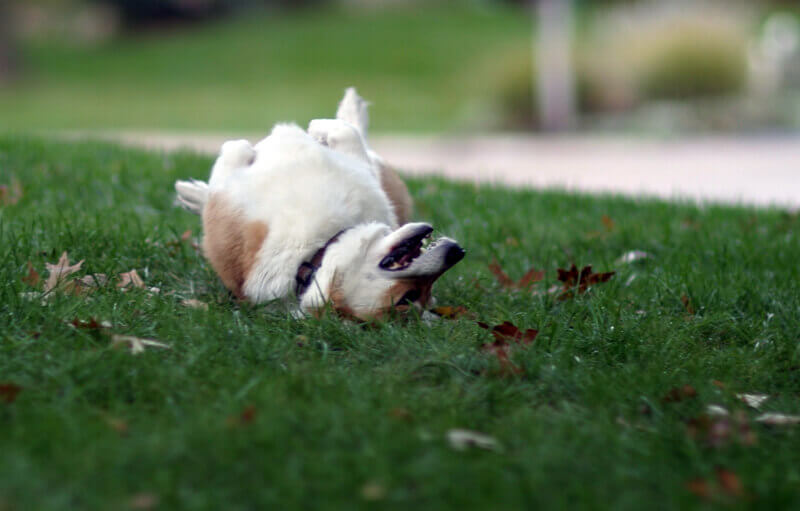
[[410, 297]]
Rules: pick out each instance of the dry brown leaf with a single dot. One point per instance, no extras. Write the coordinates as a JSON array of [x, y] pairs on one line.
[[719, 430], [401, 414], [194, 304], [143, 501], [778, 419], [10, 194], [687, 304], [753, 400], [451, 312], [583, 279], [32, 278], [463, 439], [9, 391], [90, 324], [373, 491], [507, 336], [677, 394], [130, 279], [246, 417], [729, 482], [59, 272], [699, 487], [608, 223], [94, 280], [530, 278], [136, 344], [118, 425]]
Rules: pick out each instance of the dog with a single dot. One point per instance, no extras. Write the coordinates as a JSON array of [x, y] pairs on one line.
[[318, 216]]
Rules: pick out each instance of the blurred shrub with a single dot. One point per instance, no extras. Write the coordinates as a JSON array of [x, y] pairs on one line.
[[639, 53], [697, 58]]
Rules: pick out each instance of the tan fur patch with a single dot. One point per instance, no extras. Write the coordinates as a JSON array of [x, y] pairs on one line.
[[396, 190], [338, 300], [230, 243]]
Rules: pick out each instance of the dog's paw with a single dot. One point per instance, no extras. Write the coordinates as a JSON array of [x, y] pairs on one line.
[[234, 155], [340, 136], [192, 195], [353, 109], [237, 153]]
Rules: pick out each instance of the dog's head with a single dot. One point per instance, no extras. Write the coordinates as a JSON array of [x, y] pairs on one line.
[[371, 270]]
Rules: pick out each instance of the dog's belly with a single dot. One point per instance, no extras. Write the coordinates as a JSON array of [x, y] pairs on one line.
[[304, 193]]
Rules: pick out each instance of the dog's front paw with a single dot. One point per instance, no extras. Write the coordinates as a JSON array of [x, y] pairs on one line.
[[340, 136]]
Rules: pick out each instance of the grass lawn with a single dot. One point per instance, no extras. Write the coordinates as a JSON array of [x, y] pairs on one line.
[[250, 409], [422, 68]]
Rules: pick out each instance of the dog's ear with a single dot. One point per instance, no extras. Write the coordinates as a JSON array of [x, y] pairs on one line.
[[353, 109]]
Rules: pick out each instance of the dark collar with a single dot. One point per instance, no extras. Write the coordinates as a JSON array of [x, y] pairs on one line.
[[307, 269]]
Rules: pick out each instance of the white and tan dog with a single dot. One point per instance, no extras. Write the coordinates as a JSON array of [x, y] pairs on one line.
[[316, 215]]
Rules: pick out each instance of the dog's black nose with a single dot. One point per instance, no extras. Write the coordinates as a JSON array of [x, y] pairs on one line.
[[454, 254]]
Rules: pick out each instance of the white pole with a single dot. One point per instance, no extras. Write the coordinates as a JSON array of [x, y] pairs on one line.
[[554, 82]]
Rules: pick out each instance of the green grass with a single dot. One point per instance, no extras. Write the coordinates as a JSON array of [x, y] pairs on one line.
[[323, 390], [420, 67]]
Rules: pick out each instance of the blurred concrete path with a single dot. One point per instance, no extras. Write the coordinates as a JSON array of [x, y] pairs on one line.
[[763, 170]]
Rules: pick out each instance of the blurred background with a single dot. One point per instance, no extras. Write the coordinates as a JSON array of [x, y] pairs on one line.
[[427, 66]]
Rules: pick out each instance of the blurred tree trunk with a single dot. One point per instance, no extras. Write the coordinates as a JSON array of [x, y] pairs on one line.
[[8, 55], [554, 82]]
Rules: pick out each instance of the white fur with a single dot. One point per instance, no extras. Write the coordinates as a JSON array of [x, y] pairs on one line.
[[306, 187]]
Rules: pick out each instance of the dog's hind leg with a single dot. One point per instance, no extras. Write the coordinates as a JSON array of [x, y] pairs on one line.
[[353, 109], [341, 136], [234, 155]]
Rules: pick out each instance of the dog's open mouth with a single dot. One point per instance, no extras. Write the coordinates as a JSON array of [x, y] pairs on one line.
[[404, 253]]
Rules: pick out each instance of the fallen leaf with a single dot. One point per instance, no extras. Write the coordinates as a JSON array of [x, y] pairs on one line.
[[248, 414], [194, 304], [632, 257], [401, 414], [778, 419], [91, 324], [118, 425], [716, 411], [507, 331], [729, 482], [59, 272], [753, 400], [130, 279], [583, 279], [10, 194], [94, 280], [9, 391], [506, 336], [451, 312], [530, 278], [677, 394], [687, 304], [463, 439], [143, 501], [187, 235], [137, 345], [718, 430], [699, 487], [32, 278], [373, 491], [246, 417]]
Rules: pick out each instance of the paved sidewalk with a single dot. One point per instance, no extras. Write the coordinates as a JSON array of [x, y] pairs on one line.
[[756, 170]]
